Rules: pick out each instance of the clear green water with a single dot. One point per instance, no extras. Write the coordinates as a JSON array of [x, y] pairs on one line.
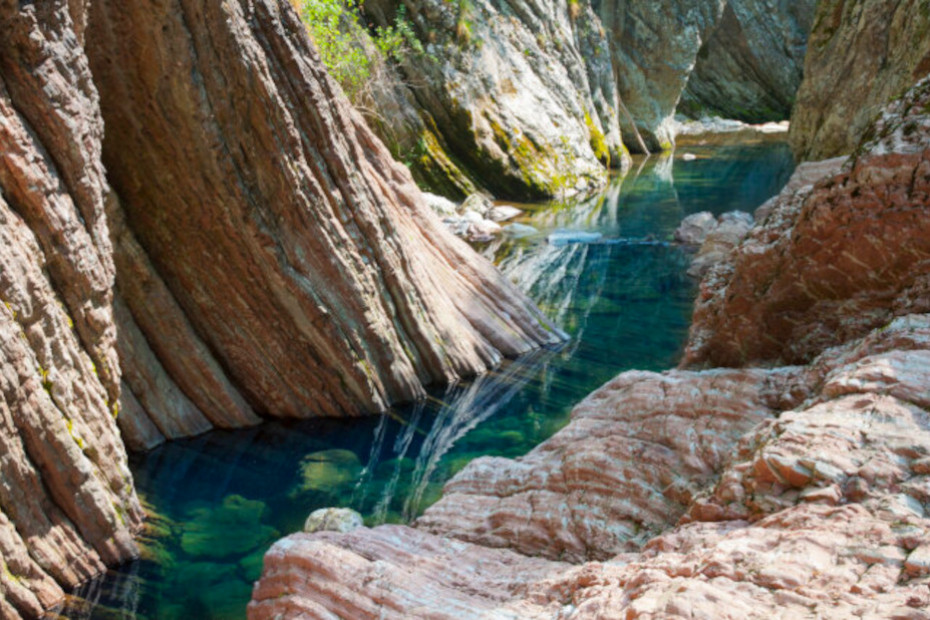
[[223, 498]]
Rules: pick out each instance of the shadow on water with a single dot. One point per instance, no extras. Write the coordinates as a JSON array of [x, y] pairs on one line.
[[219, 500]]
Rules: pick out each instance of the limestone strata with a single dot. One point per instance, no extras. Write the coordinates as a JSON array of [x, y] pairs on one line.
[[299, 264], [861, 55], [66, 501], [522, 92], [751, 66], [797, 285], [822, 513]]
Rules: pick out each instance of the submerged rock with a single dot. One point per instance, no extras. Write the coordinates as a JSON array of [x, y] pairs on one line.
[[232, 529], [328, 470], [567, 237], [333, 520]]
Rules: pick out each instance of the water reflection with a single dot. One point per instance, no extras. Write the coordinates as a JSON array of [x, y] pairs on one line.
[[219, 500]]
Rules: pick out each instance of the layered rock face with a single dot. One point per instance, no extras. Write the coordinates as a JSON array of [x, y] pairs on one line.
[[522, 93], [812, 517], [654, 47], [861, 55], [264, 256], [751, 67], [796, 285], [300, 260], [730, 493], [66, 501]]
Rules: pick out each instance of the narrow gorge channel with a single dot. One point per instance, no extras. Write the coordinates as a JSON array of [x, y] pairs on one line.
[[218, 501]]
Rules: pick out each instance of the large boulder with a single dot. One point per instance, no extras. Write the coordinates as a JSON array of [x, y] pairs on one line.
[[861, 55]]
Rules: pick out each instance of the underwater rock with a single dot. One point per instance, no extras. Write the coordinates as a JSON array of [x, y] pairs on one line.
[[333, 520], [861, 56], [328, 470], [231, 529], [831, 261]]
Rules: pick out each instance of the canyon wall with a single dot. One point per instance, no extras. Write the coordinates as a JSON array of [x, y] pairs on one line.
[[533, 99], [521, 93], [751, 66], [862, 54], [250, 249], [67, 504], [798, 490]]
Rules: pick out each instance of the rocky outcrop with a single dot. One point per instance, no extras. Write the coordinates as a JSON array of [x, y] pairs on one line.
[[861, 55], [712, 238], [67, 505], [796, 286], [522, 93], [625, 469], [264, 256], [732, 493], [300, 263], [812, 517], [751, 66]]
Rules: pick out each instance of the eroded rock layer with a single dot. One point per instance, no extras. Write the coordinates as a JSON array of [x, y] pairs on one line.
[[66, 500], [831, 260], [299, 259], [861, 54], [813, 517]]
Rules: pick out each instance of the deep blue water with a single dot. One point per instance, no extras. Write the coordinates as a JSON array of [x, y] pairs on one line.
[[218, 501]]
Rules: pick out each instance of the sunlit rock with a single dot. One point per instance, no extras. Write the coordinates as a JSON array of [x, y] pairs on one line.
[[333, 520]]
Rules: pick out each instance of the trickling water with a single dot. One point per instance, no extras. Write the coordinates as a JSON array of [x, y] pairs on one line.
[[221, 499]]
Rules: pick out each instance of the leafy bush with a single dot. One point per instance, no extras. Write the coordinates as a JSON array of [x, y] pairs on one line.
[[352, 54]]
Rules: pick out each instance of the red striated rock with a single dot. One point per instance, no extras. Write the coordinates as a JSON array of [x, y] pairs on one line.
[[300, 259], [626, 468], [66, 499], [830, 262], [821, 514]]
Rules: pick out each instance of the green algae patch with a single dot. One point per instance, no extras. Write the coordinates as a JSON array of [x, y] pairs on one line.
[[327, 470], [231, 529], [597, 140]]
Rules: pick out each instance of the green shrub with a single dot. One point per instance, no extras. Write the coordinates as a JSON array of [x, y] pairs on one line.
[[352, 54]]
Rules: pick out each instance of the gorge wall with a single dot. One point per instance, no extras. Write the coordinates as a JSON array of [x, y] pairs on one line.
[[734, 493], [533, 99], [250, 249], [862, 55]]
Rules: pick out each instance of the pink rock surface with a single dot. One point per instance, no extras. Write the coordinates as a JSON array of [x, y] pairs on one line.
[[821, 513]]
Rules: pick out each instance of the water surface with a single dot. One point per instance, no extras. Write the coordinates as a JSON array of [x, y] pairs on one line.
[[221, 499]]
